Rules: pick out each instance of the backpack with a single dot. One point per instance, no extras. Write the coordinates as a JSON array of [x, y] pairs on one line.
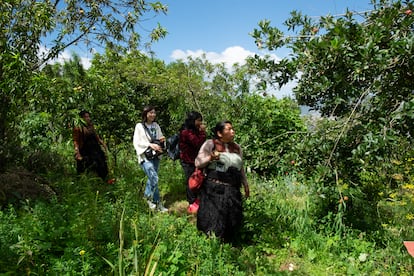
[[173, 149]]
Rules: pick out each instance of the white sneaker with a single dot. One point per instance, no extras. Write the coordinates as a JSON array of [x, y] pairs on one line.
[[151, 205], [161, 208]]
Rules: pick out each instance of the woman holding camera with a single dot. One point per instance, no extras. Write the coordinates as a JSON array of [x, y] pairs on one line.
[[148, 135]]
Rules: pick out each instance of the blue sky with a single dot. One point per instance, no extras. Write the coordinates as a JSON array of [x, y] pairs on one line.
[[214, 26], [220, 28]]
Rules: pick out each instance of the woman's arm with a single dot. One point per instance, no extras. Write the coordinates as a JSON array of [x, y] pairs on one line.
[[244, 178], [101, 141], [245, 183], [204, 156], [195, 139], [77, 142], [140, 140]]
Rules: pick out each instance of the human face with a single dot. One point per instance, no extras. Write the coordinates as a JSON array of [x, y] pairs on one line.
[[198, 122], [87, 118], [151, 116], [227, 134]]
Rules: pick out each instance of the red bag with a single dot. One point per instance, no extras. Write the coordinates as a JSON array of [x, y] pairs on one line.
[[196, 179]]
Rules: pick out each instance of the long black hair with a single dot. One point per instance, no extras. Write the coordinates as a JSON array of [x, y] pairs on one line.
[[189, 122]]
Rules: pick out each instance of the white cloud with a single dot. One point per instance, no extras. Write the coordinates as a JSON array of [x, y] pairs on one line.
[[86, 62], [65, 56], [286, 90], [230, 56]]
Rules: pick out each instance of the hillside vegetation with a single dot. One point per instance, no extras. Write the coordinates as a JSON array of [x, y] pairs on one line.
[[330, 195]]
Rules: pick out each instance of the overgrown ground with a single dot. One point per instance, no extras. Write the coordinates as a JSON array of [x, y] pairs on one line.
[[91, 228]]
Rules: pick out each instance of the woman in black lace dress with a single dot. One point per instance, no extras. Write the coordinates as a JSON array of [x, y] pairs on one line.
[[88, 152]]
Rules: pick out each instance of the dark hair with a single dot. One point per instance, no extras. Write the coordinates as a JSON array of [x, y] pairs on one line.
[[144, 113], [219, 127], [83, 112], [189, 122]]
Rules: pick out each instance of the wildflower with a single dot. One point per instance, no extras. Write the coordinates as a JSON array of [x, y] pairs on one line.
[[82, 252], [363, 257], [408, 186], [393, 195], [410, 216]]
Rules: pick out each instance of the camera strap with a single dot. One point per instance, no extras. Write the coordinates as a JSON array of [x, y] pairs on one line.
[[148, 132]]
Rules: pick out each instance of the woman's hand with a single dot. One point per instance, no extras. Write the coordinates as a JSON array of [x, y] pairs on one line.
[[215, 155], [78, 156], [158, 147], [155, 147]]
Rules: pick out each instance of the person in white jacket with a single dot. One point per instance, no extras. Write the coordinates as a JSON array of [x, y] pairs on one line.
[[148, 134]]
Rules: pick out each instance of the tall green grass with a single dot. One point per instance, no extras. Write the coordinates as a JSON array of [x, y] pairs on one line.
[[91, 228]]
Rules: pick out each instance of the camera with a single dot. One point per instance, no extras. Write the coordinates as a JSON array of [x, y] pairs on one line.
[[161, 144]]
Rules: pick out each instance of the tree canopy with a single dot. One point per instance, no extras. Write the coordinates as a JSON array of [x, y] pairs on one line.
[[35, 32], [357, 70], [360, 59]]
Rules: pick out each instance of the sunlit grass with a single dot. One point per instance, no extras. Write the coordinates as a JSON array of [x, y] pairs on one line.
[[117, 234]]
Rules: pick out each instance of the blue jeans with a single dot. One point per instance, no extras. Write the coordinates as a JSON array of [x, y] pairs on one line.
[[150, 168]]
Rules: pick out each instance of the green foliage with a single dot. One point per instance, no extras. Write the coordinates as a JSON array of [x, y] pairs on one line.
[[265, 128], [34, 132], [131, 82], [357, 72], [13, 79], [343, 61], [397, 206], [92, 228], [26, 25], [338, 194], [359, 168]]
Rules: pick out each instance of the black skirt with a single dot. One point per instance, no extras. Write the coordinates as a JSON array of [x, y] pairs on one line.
[[220, 212]]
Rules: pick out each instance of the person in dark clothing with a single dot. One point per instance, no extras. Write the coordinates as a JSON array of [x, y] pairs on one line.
[[88, 152], [192, 136], [220, 211]]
